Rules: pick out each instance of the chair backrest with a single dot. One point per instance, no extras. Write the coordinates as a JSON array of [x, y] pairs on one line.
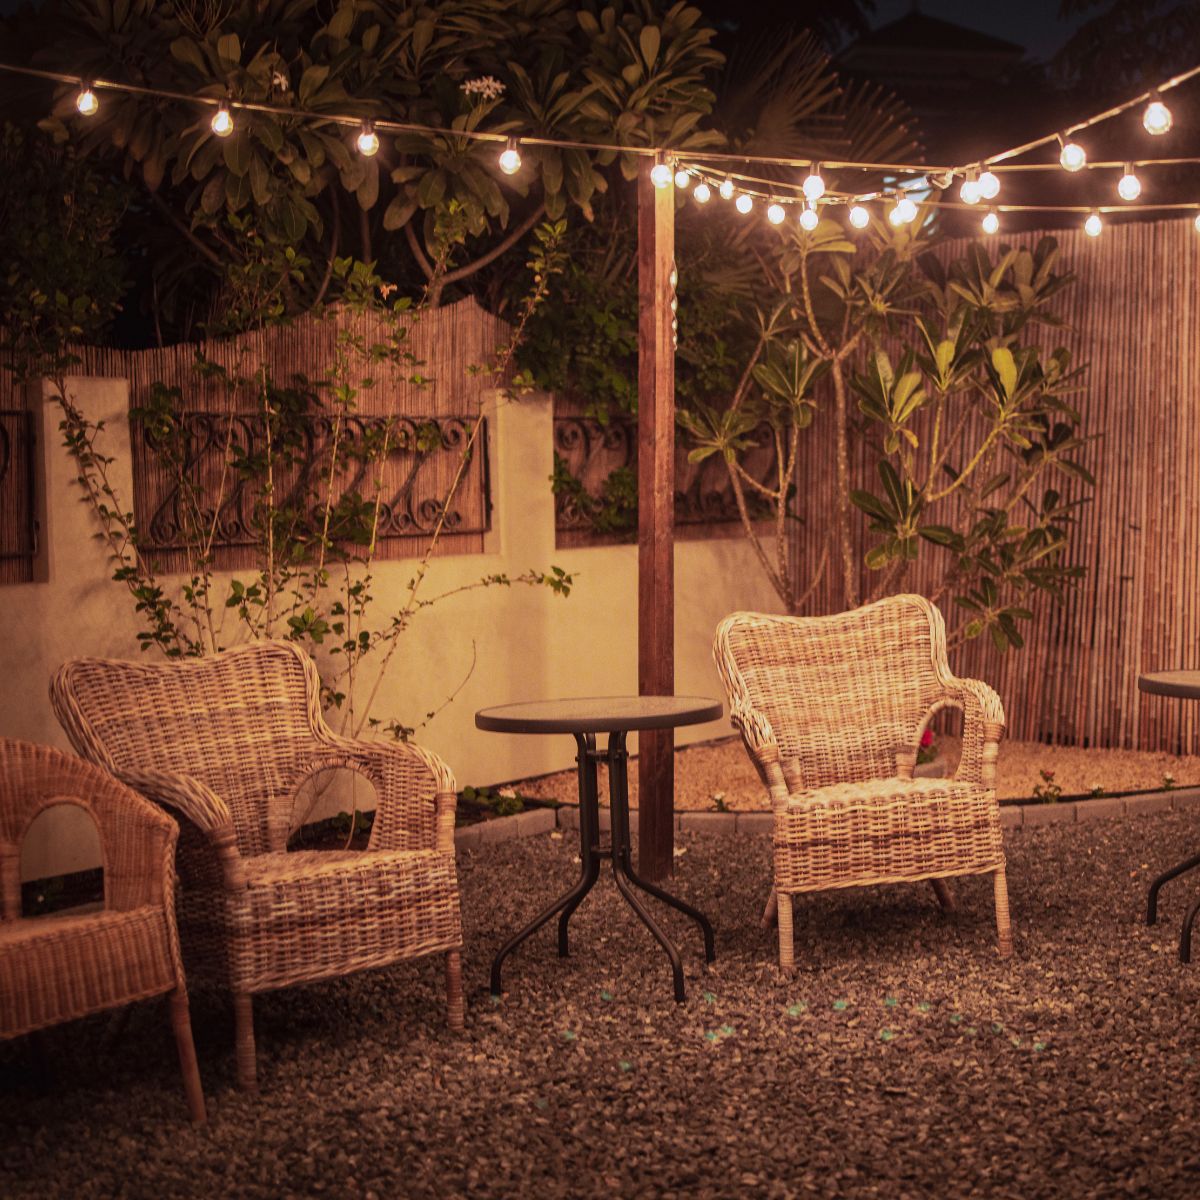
[[244, 722], [842, 694], [136, 839]]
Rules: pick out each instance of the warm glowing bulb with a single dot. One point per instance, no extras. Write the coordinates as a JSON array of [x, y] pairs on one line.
[[368, 141], [990, 223], [989, 185], [775, 214], [726, 190], [1073, 157], [859, 217], [969, 193], [1093, 225], [744, 203], [904, 212], [222, 122], [682, 178], [1157, 118], [813, 186], [86, 101], [703, 193], [510, 159], [809, 220], [1130, 186], [660, 175]]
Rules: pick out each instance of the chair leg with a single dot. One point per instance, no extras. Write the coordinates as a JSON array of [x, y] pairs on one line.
[[941, 888], [787, 949], [771, 912], [243, 1015], [1003, 928], [454, 992], [181, 1023]]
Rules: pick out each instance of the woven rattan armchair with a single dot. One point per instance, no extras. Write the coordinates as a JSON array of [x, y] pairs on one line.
[[58, 968], [831, 710], [224, 742]]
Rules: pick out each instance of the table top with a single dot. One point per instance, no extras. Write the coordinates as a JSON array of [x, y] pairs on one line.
[[1184, 685], [599, 714]]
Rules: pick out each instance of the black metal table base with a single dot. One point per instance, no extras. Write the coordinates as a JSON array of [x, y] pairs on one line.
[[1185, 932], [618, 851]]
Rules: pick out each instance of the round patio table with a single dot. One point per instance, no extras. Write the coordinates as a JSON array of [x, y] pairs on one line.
[[584, 718], [1178, 685]]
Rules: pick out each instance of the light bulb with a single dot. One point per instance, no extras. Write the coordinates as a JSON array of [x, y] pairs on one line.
[[989, 185], [969, 193], [1073, 157], [1130, 186], [222, 122], [990, 223], [809, 220], [813, 186], [702, 192], [1093, 225], [904, 212], [368, 140], [726, 190], [744, 203], [1157, 117], [510, 160], [682, 178], [86, 101], [660, 175], [859, 217], [775, 214]]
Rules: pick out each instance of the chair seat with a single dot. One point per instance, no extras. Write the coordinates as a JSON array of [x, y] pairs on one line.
[[312, 914], [56, 969], [886, 831]]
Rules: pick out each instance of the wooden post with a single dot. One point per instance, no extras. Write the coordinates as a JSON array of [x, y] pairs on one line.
[[656, 516]]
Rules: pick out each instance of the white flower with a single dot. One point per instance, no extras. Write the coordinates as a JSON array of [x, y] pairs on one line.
[[486, 86], [280, 81], [506, 793]]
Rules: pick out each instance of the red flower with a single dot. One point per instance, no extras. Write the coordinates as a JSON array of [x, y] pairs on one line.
[[927, 738]]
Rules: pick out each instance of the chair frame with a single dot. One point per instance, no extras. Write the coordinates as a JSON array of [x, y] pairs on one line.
[[75, 975], [225, 835], [817, 803]]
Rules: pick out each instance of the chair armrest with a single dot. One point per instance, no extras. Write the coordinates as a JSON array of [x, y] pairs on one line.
[[759, 739], [983, 727], [416, 791], [199, 804]]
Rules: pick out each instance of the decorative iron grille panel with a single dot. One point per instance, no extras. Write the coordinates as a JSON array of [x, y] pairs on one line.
[[18, 522]]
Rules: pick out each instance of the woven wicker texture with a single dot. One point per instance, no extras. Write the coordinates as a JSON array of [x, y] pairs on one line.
[[226, 742], [55, 969], [831, 710]]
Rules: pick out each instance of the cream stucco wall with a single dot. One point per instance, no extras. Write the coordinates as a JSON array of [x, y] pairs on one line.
[[528, 642]]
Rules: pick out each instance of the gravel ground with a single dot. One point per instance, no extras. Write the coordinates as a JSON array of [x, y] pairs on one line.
[[903, 1059], [722, 768]]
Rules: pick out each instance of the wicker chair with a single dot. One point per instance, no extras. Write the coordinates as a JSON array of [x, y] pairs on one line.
[[831, 710], [225, 742], [54, 969]]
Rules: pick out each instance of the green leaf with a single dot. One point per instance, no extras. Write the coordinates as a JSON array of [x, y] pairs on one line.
[[649, 40]]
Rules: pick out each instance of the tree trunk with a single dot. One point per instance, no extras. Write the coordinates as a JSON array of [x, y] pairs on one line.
[[850, 596]]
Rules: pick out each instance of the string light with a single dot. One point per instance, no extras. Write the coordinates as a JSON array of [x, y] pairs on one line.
[[990, 223], [86, 101], [1073, 156], [682, 178], [744, 203], [775, 214], [222, 122], [660, 175], [859, 217], [1093, 225], [989, 185], [726, 189], [809, 218], [510, 158], [1157, 118], [1130, 186], [904, 212], [813, 186], [702, 192], [368, 143], [970, 192]]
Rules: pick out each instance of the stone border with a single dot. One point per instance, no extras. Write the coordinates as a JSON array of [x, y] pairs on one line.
[[566, 816]]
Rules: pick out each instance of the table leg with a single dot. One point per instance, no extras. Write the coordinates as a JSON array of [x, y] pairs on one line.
[[1188, 864], [589, 859]]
